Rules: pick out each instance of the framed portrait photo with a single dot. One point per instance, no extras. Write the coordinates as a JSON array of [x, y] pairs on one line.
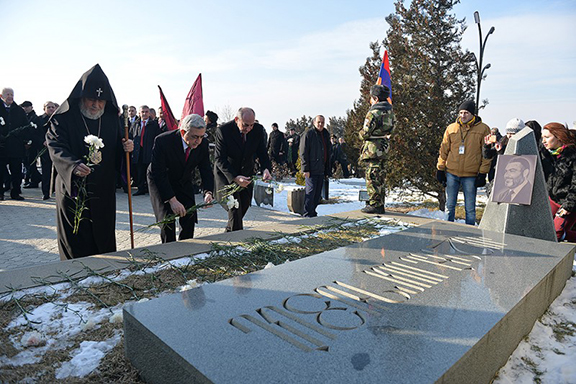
[[514, 179]]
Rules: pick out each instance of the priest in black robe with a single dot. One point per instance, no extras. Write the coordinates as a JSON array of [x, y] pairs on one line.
[[91, 109]]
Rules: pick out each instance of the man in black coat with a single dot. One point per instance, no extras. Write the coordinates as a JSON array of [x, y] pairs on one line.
[[14, 133], [315, 150], [238, 142], [40, 140], [143, 131], [91, 109], [343, 157], [276, 145], [293, 140], [32, 177], [175, 156]]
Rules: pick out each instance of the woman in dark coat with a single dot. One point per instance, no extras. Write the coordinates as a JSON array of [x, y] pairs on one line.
[[559, 163]]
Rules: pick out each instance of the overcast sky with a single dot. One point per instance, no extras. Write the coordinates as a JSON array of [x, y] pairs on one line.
[[284, 59]]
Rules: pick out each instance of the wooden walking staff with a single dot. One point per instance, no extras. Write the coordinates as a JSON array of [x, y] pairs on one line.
[[125, 111]]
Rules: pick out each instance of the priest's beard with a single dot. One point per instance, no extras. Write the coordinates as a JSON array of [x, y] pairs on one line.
[[86, 112]]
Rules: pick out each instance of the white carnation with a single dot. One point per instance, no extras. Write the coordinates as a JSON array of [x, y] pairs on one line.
[[279, 188], [2, 121], [89, 324], [232, 202], [116, 317], [94, 141], [190, 284], [32, 339], [269, 265]]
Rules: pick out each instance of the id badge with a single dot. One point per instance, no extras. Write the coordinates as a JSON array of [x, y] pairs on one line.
[[461, 150]]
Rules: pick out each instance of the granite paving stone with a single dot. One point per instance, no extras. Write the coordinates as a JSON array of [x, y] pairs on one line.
[[28, 227]]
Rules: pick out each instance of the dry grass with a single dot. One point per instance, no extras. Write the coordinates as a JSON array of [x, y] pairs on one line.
[[226, 261]]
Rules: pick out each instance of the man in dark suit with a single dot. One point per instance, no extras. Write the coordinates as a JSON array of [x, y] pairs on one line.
[[40, 138], [238, 142], [143, 131], [518, 188], [13, 135], [315, 150], [276, 145], [175, 156]]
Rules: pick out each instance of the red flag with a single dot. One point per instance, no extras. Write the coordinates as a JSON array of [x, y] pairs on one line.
[[168, 115], [384, 77], [194, 103]]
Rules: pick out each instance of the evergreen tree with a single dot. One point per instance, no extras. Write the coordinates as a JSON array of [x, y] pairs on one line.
[[431, 76], [300, 124], [336, 125]]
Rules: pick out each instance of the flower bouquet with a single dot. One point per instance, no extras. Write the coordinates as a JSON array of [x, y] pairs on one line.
[[93, 158]]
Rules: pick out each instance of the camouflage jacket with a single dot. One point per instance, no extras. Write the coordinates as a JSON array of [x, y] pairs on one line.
[[378, 126]]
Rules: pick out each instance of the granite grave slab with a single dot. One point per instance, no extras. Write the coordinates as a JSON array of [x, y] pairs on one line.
[[442, 302]]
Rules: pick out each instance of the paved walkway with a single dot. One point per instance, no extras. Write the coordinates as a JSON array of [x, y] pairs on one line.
[[28, 228]]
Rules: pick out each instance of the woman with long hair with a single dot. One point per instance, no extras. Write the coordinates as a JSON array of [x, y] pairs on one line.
[[559, 164]]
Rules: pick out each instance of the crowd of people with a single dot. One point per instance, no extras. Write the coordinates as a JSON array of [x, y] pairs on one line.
[[82, 150], [469, 152]]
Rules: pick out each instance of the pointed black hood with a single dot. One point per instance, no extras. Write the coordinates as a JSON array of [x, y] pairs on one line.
[[95, 85]]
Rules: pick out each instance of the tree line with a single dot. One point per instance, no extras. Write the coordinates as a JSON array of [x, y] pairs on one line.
[[431, 76]]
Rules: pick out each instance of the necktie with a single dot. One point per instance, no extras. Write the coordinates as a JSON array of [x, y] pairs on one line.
[[507, 195], [243, 138], [142, 133], [187, 154]]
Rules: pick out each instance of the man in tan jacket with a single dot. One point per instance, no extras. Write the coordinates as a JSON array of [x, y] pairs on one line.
[[461, 163]]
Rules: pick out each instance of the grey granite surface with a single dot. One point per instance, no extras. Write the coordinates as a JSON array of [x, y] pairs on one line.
[[438, 303]]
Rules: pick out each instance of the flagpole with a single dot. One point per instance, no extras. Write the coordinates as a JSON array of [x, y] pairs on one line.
[[125, 110]]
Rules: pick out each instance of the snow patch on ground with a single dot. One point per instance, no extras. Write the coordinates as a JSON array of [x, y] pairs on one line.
[[87, 358], [546, 355]]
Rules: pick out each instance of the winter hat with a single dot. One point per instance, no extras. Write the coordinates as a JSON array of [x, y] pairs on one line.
[[380, 91], [514, 126], [468, 105], [26, 104]]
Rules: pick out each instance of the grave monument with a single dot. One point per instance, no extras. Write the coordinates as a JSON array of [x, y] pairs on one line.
[[534, 220], [439, 303]]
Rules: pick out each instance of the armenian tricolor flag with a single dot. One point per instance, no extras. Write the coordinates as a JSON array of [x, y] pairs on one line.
[[384, 75]]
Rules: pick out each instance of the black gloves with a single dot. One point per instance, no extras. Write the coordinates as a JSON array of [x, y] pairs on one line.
[[480, 180], [441, 177]]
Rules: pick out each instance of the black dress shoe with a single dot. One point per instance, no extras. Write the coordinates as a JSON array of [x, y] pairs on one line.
[[45, 197], [373, 210], [17, 197], [28, 186], [139, 193], [2, 197]]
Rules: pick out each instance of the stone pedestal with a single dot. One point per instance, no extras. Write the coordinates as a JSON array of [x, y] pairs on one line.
[[534, 220], [326, 189], [296, 200], [263, 193]]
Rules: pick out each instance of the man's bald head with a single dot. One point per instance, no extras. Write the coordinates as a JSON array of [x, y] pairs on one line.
[[245, 119]]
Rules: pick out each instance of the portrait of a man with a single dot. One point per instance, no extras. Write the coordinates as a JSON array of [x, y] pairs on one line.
[[514, 179]]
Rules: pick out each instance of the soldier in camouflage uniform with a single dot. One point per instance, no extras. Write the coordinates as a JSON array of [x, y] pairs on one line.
[[376, 131]]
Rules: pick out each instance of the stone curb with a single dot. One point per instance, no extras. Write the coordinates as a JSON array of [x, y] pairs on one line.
[[22, 278]]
